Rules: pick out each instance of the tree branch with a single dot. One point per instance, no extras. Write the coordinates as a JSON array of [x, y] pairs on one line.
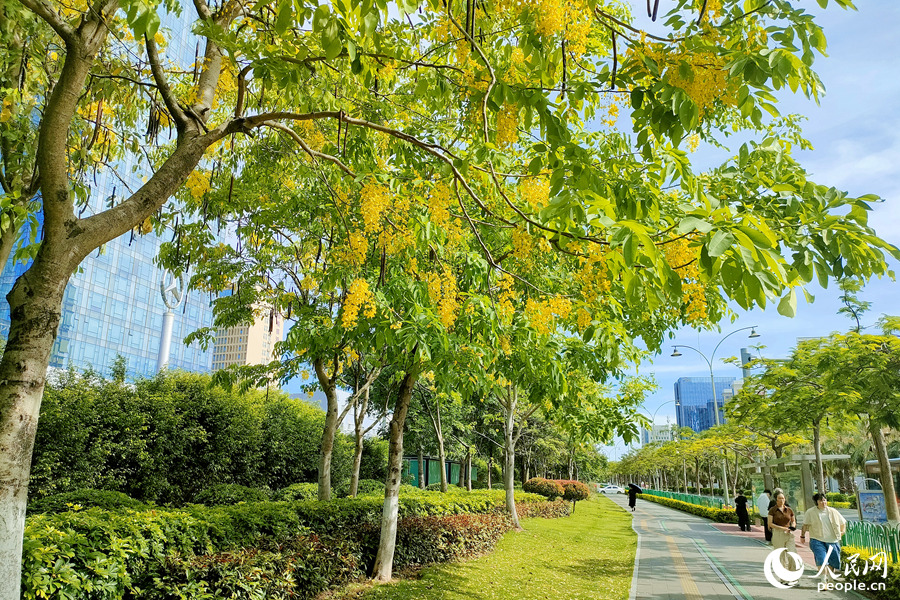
[[62, 28], [313, 153], [178, 115]]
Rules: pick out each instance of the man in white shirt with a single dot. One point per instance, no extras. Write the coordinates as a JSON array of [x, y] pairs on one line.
[[762, 507]]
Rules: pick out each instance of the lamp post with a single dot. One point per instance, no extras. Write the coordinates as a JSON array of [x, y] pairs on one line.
[[712, 380], [650, 433]]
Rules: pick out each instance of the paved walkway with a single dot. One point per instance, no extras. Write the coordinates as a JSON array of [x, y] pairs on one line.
[[684, 557]]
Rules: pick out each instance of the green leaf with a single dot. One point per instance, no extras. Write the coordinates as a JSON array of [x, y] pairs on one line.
[[721, 241], [284, 16], [788, 304], [689, 224]]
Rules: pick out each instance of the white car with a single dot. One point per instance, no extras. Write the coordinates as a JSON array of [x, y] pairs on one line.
[[612, 489]]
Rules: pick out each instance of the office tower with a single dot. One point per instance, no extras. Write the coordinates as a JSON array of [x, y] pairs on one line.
[[249, 343], [694, 402], [112, 304], [658, 433]]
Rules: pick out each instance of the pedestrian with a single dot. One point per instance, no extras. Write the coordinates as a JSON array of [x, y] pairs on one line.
[[740, 507], [632, 495], [762, 507], [826, 526], [783, 523]]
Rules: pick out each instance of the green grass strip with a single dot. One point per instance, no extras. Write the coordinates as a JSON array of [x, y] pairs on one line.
[[587, 555]]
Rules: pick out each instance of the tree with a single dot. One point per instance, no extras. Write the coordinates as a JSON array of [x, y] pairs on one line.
[[481, 107]]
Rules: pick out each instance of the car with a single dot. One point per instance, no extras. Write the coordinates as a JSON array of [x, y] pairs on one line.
[[612, 489]]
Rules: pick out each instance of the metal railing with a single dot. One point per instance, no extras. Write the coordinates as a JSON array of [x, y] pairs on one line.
[[874, 538], [708, 501]]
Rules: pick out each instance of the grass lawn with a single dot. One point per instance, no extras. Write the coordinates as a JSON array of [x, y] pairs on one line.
[[587, 555]]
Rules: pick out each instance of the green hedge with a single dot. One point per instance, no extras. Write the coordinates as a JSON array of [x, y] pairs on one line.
[[230, 493], [98, 554], [545, 487], [86, 498], [892, 582], [719, 515]]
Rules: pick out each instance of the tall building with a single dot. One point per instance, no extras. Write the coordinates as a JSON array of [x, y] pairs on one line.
[[694, 401], [249, 343], [658, 433], [112, 305]]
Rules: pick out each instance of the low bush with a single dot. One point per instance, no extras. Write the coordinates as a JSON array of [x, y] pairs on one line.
[[97, 554], [573, 491], [300, 567], [230, 493], [431, 539], [545, 487], [719, 515], [870, 576], [298, 491], [85, 498], [369, 486]]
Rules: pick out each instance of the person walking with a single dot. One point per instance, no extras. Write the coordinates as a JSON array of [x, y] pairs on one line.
[[783, 522], [762, 507], [740, 507], [633, 491], [826, 527]]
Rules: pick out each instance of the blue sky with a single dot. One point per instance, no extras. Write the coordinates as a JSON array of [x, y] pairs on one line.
[[855, 132]]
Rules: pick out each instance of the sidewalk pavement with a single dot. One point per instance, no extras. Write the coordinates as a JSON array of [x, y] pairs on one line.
[[756, 533]]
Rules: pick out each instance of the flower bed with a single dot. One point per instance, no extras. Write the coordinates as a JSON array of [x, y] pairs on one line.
[[719, 515]]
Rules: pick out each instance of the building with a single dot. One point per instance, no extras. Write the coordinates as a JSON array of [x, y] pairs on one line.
[[694, 401], [249, 343], [658, 434], [113, 306]]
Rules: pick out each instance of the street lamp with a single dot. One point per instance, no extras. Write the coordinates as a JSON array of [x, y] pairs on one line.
[[712, 380]]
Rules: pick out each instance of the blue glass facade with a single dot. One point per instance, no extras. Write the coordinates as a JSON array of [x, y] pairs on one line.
[[113, 306], [694, 403]]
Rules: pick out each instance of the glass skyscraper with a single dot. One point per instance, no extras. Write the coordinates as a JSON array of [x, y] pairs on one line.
[[694, 401], [112, 305]]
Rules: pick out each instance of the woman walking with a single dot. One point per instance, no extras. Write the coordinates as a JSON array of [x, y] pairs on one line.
[[740, 507], [783, 522], [826, 527]]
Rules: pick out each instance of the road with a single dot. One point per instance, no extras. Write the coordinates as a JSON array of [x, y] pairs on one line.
[[684, 557]]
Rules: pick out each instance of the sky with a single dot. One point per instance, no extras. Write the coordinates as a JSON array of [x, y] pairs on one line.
[[855, 133]]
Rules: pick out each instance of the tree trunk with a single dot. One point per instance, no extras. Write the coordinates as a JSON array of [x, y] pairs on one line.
[[442, 458], [884, 468], [469, 469], [384, 560], [422, 480], [684, 471], [35, 302], [490, 467], [709, 477], [357, 463], [697, 473], [509, 466], [817, 446], [329, 431]]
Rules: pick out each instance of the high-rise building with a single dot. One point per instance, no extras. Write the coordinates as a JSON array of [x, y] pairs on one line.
[[658, 433], [112, 305], [249, 343], [694, 404]]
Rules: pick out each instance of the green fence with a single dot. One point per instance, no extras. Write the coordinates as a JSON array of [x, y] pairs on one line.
[[874, 538], [708, 501]]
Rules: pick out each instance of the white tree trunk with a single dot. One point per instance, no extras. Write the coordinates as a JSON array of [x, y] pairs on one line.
[[329, 431], [384, 560], [884, 469]]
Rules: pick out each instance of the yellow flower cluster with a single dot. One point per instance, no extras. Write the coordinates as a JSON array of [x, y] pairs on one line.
[[578, 25], [6, 111], [682, 258], [359, 298], [583, 319], [561, 307], [535, 191], [550, 16], [197, 183], [359, 246], [311, 134], [440, 201], [505, 307], [539, 315], [593, 277], [442, 290], [508, 125], [522, 243], [374, 199]]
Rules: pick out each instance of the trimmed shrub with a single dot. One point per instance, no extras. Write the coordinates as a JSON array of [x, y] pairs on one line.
[[574, 491], [719, 515], [298, 491], [891, 589], [230, 493], [431, 539], [545, 487], [369, 486], [196, 552], [553, 509], [301, 567], [434, 487], [86, 498]]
